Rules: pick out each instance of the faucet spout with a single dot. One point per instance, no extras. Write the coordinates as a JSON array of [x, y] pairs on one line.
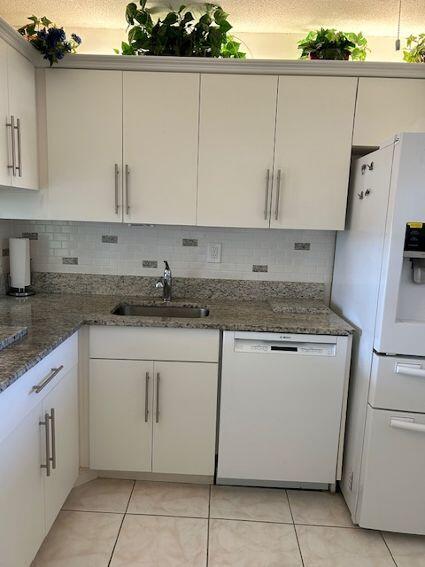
[[165, 283]]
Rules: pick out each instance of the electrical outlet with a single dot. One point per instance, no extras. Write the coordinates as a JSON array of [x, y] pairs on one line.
[[214, 252]]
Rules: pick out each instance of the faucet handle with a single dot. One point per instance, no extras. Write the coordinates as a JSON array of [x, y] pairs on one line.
[[167, 267]]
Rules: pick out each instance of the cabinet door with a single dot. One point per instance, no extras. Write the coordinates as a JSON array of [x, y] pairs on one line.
[[5, 141], [185, 403], [160, 147], [313, 151], [386, 107], [22, 105], [120, 415], [22, 526], [63, 400], [236, 141], [84, 144]]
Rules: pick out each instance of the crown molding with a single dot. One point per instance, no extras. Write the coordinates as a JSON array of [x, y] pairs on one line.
[[244, 67], [15, 40], [205, 65]]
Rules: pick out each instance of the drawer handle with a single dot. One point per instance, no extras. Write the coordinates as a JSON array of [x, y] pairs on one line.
[[407, 425], [54, 371], [410, 370]]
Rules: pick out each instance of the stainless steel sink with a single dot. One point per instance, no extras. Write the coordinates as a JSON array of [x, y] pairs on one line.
[[183, 311]]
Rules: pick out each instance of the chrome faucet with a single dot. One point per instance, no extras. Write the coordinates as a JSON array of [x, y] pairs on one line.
[[165, 283]]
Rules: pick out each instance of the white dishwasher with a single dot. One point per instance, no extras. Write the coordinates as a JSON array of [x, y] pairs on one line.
[[282, 409]]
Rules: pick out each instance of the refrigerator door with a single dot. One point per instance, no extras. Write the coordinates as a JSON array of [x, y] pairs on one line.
[[400, 321], [392, 492], [397, 383]]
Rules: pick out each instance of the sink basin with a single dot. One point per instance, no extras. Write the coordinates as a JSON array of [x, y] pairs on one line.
[[189, 311]]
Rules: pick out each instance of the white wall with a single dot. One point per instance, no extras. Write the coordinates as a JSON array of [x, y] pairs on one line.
[[60, 242], [256, 45]]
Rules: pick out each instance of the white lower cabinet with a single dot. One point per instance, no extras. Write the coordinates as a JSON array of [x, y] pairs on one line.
[[22, 526], [155, 416], [63, 400], [185, 417], [120, 415], [31, 495]]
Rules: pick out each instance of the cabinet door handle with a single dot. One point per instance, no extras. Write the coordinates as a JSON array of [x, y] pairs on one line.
[[158, 377], [127, 188], [278, 181], [117, 175], [407, 425], [266, 203], [146, 397], [53, 436], [11, 125], [18, 168], [54, 371], [46, 424]]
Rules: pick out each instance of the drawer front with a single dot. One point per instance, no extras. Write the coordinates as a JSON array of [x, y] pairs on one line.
[[136, 343], [392, 485], [398, 383], [19, 399]]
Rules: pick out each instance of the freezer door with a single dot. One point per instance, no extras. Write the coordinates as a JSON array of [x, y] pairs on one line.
[[392, 491], [398, 383]]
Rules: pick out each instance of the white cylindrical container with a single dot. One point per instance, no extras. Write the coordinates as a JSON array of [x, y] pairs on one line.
[[20, 271]]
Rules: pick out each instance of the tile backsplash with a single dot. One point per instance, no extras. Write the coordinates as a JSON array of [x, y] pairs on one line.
[[102, 248], [6, 228]]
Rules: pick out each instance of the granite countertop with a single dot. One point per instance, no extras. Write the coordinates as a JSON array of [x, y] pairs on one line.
[[10, 334], [50, 319]]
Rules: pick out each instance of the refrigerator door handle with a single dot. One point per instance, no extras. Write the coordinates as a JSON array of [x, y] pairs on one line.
[[408, 425], [410, 370]]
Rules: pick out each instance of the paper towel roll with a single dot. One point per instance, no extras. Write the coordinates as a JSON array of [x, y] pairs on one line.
[[19, 252]]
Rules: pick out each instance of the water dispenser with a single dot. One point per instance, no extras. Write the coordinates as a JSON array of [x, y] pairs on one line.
[[414, 250]]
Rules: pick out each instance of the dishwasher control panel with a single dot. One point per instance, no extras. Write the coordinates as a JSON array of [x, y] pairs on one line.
[[275, 347]]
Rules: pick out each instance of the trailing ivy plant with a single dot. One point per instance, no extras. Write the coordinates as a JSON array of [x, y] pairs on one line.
[[179, 33], [50, 40], [333, 44], [415, 49]]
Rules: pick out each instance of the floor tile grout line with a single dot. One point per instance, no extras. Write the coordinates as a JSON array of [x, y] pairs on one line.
[[208, 526], [122, 522], [295, 528], [388, 547]]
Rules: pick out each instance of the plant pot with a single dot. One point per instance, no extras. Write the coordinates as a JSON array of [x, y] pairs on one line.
[[329, 55]]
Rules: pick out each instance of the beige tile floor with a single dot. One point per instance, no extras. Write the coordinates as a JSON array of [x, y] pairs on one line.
[[121, 523]]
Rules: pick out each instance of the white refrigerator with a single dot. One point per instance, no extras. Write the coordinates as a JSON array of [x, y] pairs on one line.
[[379, 287]]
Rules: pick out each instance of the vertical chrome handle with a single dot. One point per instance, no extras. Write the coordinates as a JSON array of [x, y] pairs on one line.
[[11, 125], [158, 377], [18, 130], [117, 175], [266, 204], [127, 190], [146, 397], [279, 176], [46, 424], [53, 435]]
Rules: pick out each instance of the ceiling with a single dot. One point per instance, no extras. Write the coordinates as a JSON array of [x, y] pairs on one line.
[[373, 17]]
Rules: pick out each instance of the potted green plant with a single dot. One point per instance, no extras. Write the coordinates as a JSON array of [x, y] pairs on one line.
[[333, 44], [179, 33], [415, 49]]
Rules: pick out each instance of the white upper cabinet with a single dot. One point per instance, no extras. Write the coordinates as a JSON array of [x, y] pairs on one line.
[[313, 151], [5, 172], [84, 139], [386, 107], [236, 140], [160, 129], [18, 145]]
